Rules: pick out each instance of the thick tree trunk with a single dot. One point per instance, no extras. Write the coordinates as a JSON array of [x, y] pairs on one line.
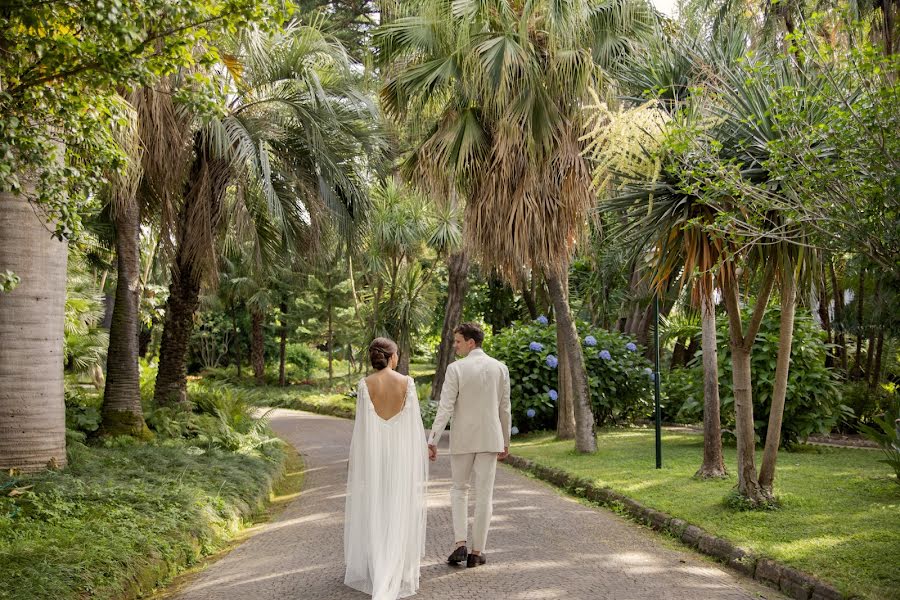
[[282, 349], [197, 225], [782, 370], [565, 415], [741, 347], [585, 437], [183, 301], [257, 346], [122, 411], [457, 285], [713, 462], [32, 318]]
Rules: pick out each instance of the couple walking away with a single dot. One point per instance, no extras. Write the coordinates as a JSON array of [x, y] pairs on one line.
[[385, 516]]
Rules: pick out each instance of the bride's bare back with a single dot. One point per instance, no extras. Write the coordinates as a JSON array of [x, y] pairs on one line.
[[387, 391]]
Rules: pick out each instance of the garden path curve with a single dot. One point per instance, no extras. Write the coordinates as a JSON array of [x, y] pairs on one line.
[[542, 545]]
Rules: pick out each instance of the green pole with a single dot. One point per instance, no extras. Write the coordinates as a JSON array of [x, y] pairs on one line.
[[657, 412]]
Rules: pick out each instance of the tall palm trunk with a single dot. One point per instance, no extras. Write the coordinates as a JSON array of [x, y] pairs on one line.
[[32, 318], [122, 411], [741, 346], [457, 285], [183, 302], [282, 348], [257, 350], [565, 413], [197, 224], [585, 437], [713, 462], [782, 370]]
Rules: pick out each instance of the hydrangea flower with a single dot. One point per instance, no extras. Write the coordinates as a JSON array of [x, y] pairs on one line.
[[542, 320], [590, 341], [631, 347], [554, 395], [605, 355], [536, 346], [514, 430], [648, 372], [530, 412], [552, 361]]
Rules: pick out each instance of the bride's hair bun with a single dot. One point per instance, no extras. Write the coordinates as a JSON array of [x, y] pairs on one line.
[[380, 352]]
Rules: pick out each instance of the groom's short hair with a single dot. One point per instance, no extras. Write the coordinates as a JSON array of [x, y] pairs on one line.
[[470, 331]]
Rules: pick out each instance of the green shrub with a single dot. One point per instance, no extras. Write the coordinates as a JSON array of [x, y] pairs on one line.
[[812, 404], [681, 392], [82, 409], [617, 372], [865, 403], [304, 358]]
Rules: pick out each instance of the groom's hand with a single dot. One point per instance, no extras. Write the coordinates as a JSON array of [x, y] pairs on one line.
[[504, 454], [432, 452]]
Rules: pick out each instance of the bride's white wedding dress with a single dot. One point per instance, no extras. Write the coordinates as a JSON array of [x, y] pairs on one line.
[[384, 520]]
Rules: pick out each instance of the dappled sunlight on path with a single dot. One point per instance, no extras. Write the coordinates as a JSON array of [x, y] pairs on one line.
[[542, 545]]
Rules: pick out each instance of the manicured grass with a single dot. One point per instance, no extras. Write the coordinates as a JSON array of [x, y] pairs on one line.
[[121, 520], [840, 508]]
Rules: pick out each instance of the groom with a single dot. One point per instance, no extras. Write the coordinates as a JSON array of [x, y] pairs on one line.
[[476, 395]]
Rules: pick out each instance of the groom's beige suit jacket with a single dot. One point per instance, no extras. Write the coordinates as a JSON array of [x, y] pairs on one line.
[[476, 396]]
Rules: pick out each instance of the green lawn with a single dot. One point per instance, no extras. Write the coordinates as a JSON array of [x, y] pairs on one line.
[[840, 513]]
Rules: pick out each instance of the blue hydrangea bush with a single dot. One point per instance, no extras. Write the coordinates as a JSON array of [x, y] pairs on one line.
[[621, 389]]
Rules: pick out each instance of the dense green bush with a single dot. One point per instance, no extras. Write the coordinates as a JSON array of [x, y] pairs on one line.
[[304, 358], [812, 404], [681, 392], [618, 374], [866, 403]]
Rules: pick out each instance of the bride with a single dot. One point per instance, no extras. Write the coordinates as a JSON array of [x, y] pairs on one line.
[[384, 521]]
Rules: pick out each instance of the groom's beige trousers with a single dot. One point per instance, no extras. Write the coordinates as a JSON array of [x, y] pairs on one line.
[[484, 466]]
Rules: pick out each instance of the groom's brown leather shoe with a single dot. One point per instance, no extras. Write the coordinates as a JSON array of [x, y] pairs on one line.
[[475, 560], [458, 556]]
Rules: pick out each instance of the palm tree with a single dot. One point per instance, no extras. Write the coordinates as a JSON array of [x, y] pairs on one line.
[[628, 147], [155, 142], [406, 231], [507, 82], [32, 318], [286, 150]]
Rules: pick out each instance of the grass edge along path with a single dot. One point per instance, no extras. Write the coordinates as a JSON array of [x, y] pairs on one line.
[[107, 539], [856, 563]]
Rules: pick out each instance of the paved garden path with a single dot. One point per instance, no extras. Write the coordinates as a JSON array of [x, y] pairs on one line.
[[541, 546]]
